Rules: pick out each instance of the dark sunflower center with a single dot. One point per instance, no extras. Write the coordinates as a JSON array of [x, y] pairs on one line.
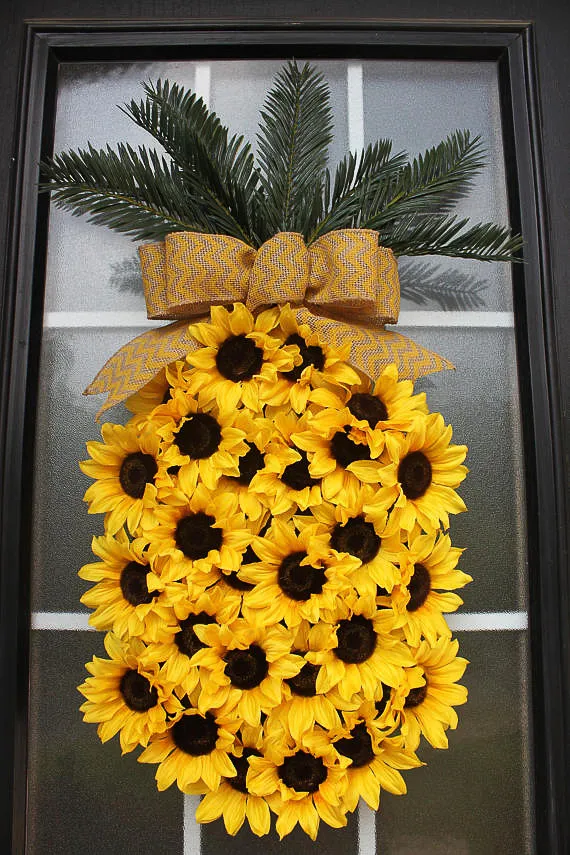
[[137, 470], [297, 476], [414, 474], [382, 703], [137, 692], [305, 682], [419, 587], [311, 354], [416, 696], [233, 580], [239, 358], [199, 436], [356, 639], [242, 767], [186, 640], [345, 451], [195, 536], [133, 584], [300, 581], [246, 668], [250, 463], [357, 537], [357, 746], [368, 408], [303, 772], [195, 735]]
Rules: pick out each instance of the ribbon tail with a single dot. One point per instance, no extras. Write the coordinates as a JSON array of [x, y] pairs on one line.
[[371, 350], [139, 361]]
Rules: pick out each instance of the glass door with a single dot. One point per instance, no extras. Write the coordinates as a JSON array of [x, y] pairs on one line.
[[470, 800]]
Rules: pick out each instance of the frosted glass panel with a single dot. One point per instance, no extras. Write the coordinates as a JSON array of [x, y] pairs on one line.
[[471, 800], [84, 797], [416, 105]]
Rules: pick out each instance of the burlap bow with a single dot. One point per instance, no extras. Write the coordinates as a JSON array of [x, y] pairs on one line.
[[344, 286]]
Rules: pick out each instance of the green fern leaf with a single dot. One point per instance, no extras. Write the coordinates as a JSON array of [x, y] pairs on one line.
[[136, 192], [434, 181], [356, 178], [216, 168], [293, 139], [438, 234]]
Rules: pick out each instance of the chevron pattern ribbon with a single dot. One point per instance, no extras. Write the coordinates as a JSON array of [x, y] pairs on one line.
[[344, 286]]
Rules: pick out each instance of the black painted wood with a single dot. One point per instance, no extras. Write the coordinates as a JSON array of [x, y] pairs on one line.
[[535, 160]]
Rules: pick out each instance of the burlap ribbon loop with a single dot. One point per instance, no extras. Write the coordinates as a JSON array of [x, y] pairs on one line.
[[344, 286]]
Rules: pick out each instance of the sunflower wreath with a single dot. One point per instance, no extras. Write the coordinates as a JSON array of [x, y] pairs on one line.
[[275, 569]]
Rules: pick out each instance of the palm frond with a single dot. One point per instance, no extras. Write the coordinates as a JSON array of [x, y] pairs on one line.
[[293, 139], [434, 181], [216, 167], [438, 234], [136, 192], [356, 178]]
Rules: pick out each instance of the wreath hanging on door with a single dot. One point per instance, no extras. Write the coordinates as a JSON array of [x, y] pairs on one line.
[[275, 569]]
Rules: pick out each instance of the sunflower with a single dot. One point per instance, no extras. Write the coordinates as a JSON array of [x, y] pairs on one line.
[[242, 668], [339, 454], [129, 597], [424, 472], [320, 365], [388, 405], [353, 532], [302, 783], [428, 567], [124, 466], [193, 751], [258, 431], [232, 799], [125, 698], [306, 707], [200, 534], [239, 352], [285, 481], [428, 709], [375, 757], [359, 652], [201, 445], [298, 576], [175, 653]]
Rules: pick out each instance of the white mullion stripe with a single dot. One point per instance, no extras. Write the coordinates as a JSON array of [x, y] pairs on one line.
[[61, 620], [355, 101], [366, 830], [100, 320], [203, 81], [191, 827], [487, 621], [108, 320], [466, 622], [456, 319]]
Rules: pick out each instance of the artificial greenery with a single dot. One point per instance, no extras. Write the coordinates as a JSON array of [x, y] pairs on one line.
[[209, 181]]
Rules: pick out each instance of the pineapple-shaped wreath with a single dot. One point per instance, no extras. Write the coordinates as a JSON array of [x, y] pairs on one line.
[[275, 566]]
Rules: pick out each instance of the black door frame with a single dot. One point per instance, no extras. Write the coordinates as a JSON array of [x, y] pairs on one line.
[[511, 46]]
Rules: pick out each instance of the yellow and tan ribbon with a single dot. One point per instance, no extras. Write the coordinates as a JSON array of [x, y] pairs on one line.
[[344, 286]]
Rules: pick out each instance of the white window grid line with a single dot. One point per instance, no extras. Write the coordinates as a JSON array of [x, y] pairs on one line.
[[366, 819], [138, 319], [462, 622], [192, 829], [355, 107]]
